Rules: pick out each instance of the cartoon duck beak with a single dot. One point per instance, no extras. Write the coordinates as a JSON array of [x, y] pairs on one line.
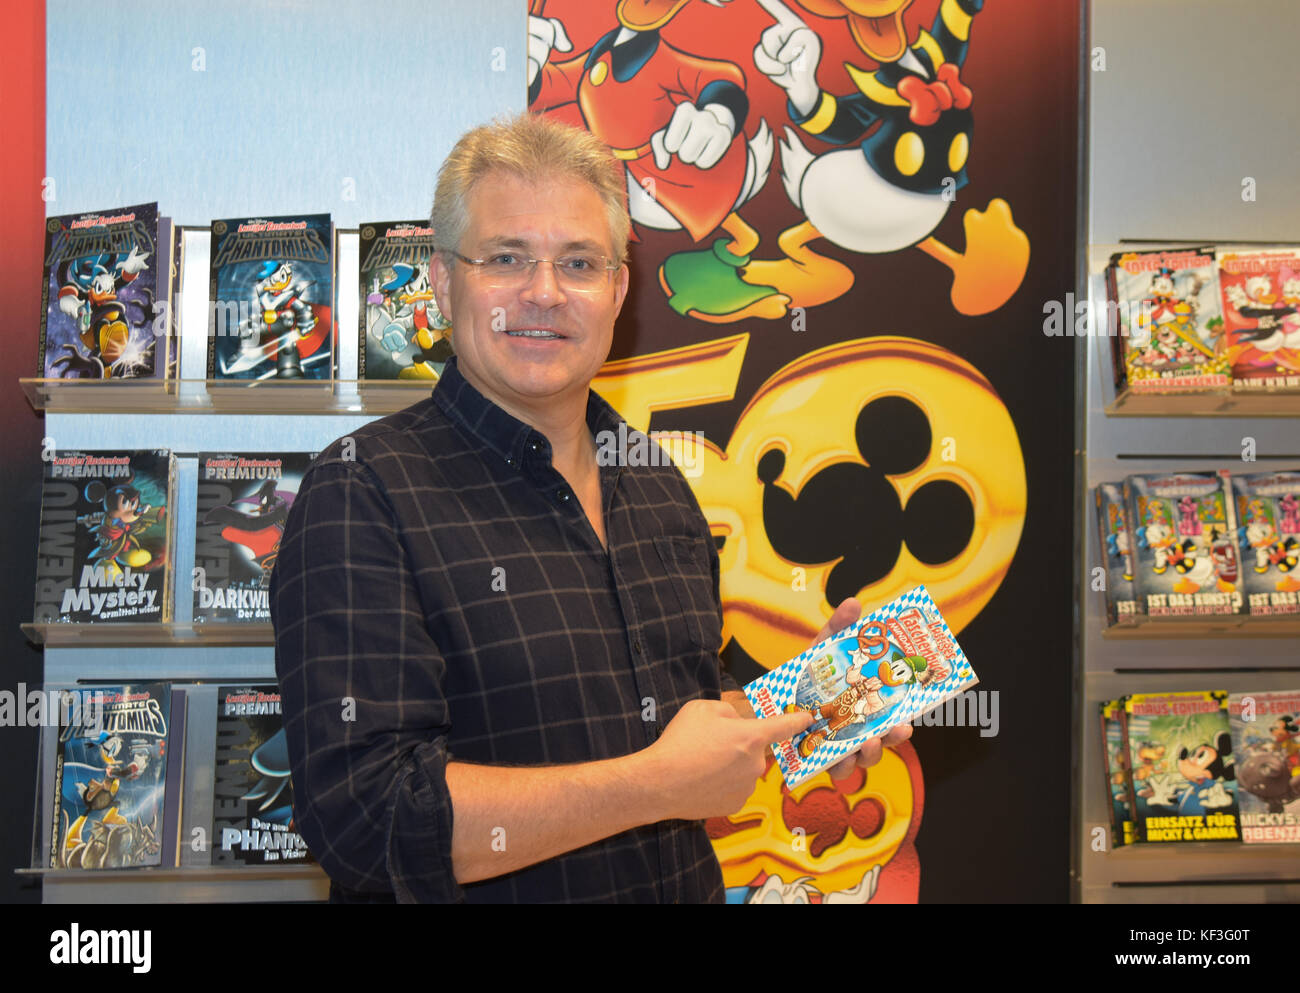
[[647, 15], [876, 25]]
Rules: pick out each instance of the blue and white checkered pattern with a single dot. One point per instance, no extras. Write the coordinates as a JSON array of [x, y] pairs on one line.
[[782, 682]]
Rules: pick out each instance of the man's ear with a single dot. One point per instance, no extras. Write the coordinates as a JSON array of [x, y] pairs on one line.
[[440, 281], [620, 289]]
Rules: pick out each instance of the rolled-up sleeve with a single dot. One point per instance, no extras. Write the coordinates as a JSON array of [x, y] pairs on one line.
[[362, 686]]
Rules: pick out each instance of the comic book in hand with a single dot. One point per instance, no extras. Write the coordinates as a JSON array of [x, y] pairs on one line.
[[243, 502], [891, 666], [1268, 525], [104, 546], [272, 298], [1169, 315], [402, 334], [1266, 747], [1185, 560], [1116, 553], [110, 777], [1119, 777], [1261, 314], [252, 801], [1184, 776], [106, 295]]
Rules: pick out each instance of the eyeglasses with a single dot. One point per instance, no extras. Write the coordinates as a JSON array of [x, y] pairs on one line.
[[577, 271]]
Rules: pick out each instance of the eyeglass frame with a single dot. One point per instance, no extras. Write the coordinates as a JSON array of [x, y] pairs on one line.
[[610, 265]]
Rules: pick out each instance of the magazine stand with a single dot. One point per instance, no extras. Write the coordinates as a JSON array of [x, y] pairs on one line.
[[196, 657]]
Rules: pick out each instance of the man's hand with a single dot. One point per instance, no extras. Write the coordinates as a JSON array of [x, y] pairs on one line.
[[873, 748], [709, 757]]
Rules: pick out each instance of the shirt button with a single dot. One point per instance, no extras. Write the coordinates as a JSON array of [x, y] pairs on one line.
[[510, 462], [563, 496], [534, 446]]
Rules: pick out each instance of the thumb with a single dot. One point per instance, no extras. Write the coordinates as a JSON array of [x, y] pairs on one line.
[[784, 726]]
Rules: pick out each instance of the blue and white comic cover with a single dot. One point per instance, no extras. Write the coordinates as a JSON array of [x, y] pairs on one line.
[[888, 668]]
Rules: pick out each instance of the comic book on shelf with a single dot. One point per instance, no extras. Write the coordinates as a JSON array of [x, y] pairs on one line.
[[1266, 748], [243, 501], [1185, 560], [1116, 552], [1268, 525], [1170, 321], [111, 778], [1261, 313], [402, 334], [1184, 780], [1119, 775], [272, 298], [106, 295], [104, 546], [252, 801], [890, 667]]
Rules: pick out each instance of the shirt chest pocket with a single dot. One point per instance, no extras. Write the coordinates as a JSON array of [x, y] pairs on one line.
[[689, 577]]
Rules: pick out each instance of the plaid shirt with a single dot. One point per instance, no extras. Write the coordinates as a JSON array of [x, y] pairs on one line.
[[440, 595]]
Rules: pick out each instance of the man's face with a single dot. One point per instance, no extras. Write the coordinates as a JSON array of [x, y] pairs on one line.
[[521, 373]]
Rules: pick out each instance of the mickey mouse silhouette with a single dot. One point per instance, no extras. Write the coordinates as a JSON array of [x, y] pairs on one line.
[[853, 512]]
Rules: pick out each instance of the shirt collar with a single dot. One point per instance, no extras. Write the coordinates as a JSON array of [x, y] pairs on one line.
[[501, 433]]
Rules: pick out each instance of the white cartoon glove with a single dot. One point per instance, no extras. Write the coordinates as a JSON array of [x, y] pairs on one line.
[[544, 34], [697, 136]]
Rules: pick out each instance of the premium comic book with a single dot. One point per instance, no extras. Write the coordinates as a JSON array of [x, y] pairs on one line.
[[1185, 560], [888, 668], [1184, 779], [1266, 746], [104, 546], [1261, 313], [1268, 526], [1116, 552], [402, 334], [1170, 319], [1119, 775], [252, 801], [243, 501], [106, 295], [272, 298], [110, 777]]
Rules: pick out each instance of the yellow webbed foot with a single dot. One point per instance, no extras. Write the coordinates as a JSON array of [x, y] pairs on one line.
[[993, 266]]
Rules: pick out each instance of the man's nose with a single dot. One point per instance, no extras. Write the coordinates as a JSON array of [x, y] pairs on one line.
[[543, 281]]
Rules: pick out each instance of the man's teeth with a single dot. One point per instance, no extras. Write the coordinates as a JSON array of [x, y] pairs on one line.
[[532, 333]]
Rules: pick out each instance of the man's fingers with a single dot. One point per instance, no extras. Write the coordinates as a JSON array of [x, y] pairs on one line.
[[898, 735], [783, 727], [845, 614]]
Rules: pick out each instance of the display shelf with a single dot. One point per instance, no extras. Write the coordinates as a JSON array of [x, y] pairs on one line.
[[1205, 627], [184, 885], [208, 396], [175, 634], [1130, 404]]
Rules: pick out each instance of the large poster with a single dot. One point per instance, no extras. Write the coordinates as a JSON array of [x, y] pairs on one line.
[[848, 215]]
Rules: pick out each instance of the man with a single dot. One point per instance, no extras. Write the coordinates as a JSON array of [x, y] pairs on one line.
[[499, 659]]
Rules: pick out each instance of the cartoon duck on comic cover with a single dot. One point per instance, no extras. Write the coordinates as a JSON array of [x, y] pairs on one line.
[[891, 666]]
